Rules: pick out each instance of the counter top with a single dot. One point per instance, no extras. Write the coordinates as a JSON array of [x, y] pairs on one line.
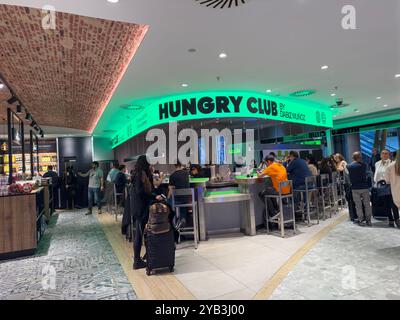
[[22, 194]]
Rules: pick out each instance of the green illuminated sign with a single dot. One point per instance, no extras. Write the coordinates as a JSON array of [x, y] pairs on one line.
[[223, 104]]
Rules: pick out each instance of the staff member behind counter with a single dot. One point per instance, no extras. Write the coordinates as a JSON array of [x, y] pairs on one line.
[[277, 172], [197, 171]]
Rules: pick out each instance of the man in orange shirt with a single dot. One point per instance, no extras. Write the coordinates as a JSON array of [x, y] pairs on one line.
[[277, 172]]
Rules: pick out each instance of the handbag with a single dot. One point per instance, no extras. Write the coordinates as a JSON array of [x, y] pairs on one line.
[[383, 189]]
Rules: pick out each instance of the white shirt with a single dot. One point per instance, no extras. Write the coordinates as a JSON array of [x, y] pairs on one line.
[[380, 169]]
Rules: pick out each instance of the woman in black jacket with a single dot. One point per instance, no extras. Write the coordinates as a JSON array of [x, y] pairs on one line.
[[141, 197]]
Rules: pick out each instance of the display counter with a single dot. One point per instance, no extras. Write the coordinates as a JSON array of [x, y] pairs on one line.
[[21, 223]]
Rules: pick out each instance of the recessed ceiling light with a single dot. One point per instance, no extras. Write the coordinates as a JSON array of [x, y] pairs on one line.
[[397, 75], [378, 98], [324, 67], [113, 1], [356, 110], [223, 55], [333, 94], [1, 86], [184, 85], [269, 91], [385, 105]]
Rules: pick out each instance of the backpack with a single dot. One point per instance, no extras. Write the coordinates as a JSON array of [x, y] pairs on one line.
[[158, 222]]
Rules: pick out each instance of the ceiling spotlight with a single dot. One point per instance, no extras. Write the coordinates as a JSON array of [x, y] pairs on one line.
[[385, 105], [2, 86], [12, 100], [223, 55], [113, 1], [333, 94], [185, 85], [19, 109], [378, 98], [324, 67], [356, 110], [397, 75], [269, 91]]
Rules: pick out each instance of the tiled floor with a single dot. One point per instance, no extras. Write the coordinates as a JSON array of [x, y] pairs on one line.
[[236, 267], [74, 261], [352, 262]]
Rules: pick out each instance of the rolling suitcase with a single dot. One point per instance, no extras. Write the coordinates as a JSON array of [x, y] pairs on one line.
[[380, 208], [159, 239], [160, 251]]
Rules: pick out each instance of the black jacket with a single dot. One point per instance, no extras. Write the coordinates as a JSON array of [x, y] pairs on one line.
[[141, 195]]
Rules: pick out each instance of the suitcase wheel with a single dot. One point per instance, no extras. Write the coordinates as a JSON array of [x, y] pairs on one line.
[[149, 272]]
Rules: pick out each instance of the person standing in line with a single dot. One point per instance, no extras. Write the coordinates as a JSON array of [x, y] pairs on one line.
[[96, 186], [392, 176], [380, 174], [70, 187], [341, 164], [141, 197], [374, 159], [360, 188], [55, 182]]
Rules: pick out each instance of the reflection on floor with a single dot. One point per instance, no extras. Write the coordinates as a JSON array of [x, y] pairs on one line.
[[352, 262], [76, 251], [236, 267]]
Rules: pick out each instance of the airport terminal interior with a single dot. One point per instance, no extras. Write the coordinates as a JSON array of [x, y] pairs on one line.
[[199, 150]]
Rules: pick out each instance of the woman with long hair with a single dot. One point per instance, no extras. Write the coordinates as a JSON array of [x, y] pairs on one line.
[[341, 163], [141, 197], [325, 168], [312, 164], [392, 176]]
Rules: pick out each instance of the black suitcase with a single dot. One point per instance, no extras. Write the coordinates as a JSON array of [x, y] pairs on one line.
[[160, 251], [380, 208]]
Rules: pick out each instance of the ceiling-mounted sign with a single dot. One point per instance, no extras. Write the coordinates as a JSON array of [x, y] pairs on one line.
[[224, 104]]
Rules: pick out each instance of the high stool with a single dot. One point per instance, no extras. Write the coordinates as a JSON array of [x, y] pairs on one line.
[[324, 189], [116, 195], [281, 219], [310, 191], [192, 203]]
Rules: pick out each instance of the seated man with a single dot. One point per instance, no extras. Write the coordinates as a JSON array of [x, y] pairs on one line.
[[360, 188], [298, 171], [179, 180], [277, 173]]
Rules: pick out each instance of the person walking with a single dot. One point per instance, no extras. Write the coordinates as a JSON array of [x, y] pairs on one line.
[[360, 188], [392, 176], [141, 197], [96, 186]]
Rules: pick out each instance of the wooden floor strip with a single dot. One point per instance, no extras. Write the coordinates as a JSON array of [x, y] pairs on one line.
[[281, 274], [158, 287]]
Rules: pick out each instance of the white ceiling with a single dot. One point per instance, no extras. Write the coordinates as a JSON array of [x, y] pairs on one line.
[[271, 44]]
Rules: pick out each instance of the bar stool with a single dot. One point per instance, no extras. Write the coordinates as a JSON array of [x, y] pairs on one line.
[[176, 206], [281, 219], [310, 191], [116, 195], [324, 189], [336, 191]]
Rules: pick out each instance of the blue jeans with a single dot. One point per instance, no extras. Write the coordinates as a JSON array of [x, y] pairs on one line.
[[94, 195]]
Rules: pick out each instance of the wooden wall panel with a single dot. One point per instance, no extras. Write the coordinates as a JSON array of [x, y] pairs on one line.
[[17, 223]]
